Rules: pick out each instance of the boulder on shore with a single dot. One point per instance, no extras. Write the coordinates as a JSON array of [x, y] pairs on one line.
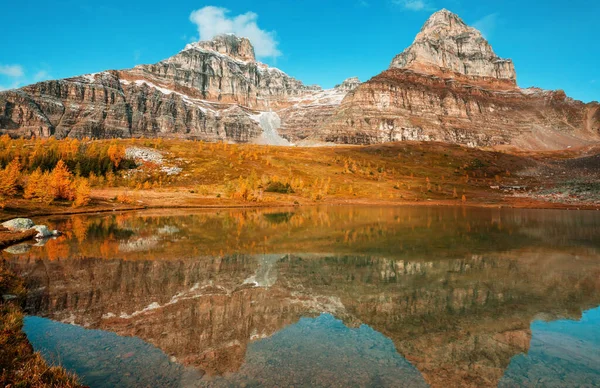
[[43, 231], [18, 224]]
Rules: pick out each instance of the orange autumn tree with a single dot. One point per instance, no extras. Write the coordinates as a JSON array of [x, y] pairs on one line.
[[9, 181], [61, 182], [9, 178], [38, 187], [82, 193], [116, 154]]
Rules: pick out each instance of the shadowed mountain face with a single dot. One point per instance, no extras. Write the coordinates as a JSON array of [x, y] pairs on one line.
[[448, 85], [225, 294]]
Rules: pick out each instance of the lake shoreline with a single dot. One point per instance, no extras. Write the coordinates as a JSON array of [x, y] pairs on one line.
[[21, 365], [106, 207]]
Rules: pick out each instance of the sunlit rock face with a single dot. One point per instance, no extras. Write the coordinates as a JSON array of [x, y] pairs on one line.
[[207, 91], [454, 290], [401, 104], [446, 43], [450, 86]]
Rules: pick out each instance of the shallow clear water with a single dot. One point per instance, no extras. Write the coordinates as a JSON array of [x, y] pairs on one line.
[[339, 296]]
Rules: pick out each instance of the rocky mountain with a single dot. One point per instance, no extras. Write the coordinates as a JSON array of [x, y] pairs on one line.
[[446, 43], [210, 90], [449, 85]]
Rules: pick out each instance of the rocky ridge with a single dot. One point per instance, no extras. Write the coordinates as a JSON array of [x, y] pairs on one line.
[[449, 85], [446, 43], [209, 91]]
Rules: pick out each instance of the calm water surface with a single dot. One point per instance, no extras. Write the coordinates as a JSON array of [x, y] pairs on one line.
[[340, 296]]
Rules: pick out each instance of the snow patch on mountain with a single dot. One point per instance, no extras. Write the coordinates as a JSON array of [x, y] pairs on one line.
[[270, 123]]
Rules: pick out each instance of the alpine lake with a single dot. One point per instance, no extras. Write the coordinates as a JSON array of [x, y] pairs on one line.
[[318, 296]]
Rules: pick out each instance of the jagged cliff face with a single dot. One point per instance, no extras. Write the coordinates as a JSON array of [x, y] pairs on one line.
[[210, 91], [400, 104], [223, 70], [446, 43], [449, 85]]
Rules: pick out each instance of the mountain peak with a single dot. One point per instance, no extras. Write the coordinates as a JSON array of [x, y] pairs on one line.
[[348, 84], [443, 16], [446, 43], [228, 44]]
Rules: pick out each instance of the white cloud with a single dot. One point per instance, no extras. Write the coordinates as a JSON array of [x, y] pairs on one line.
[[41, 75], [212, 21], [414, 5], [12, 70], [487, 24]]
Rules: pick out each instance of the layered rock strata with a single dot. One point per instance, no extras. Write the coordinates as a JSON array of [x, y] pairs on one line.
[[448, 85], [209, 91]]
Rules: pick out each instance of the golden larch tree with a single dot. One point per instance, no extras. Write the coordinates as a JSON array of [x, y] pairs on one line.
[[116, 154], [9, 179], [82, 193], [61, 182]]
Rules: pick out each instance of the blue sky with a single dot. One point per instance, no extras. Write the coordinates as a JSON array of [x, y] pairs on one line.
[[554, 44]]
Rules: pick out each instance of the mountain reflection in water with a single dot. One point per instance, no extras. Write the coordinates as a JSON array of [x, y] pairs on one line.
[[453, 291]]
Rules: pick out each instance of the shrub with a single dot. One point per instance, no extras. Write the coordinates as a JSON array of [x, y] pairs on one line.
[[125, 198], [278, 187]]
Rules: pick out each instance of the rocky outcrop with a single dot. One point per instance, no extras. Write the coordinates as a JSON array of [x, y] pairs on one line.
[[302, 122], [448, 85], [446, 43], [400, 104], [18, 224], [348, 85], [208, 91]]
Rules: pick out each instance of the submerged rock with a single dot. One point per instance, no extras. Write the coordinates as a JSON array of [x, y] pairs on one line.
[[18, 249]]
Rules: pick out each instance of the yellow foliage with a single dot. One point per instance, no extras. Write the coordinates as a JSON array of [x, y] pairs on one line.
[[125, 198], [82, 193], [9, 179], [38, 187], [61, 182], [116, 154]]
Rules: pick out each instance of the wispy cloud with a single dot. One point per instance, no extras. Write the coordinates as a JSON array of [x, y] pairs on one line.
[[41, 75], [593, 81], [363, 3], [487, 25], [15, 76], [212, 21], [414, 5], [12, 71]]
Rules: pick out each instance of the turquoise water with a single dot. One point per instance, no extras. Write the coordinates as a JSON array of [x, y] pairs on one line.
[[562, 352], [343, 296]]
